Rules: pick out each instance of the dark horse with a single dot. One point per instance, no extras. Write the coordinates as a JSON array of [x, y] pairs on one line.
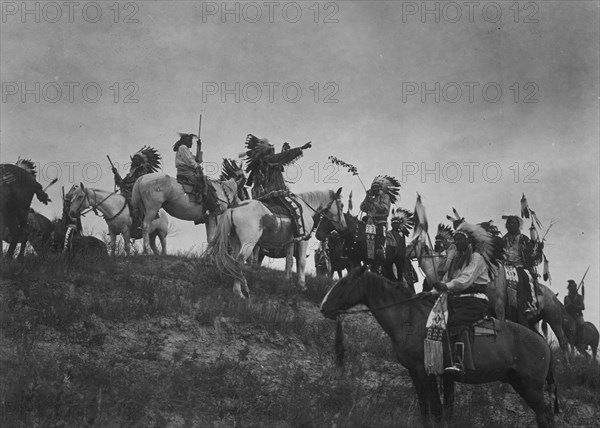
[[336, 255], [17, 187], [589, 335], [355, 246], [39, 233], [516, 355]]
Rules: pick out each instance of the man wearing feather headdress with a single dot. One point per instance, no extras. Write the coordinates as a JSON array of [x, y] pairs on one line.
[[383, 192], [477, 251], [522, 253], [395, 245], [266, 168], [144, 161], [444, 246]]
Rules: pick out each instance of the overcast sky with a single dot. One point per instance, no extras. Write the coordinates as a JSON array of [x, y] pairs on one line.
[[470, 105]]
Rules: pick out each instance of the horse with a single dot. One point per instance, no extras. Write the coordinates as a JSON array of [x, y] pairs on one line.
[[67, 239], [115, 210], [158, 190], [39, 233], [496, 291], [336, 253], [589, 334], [355, 245], [251, 223], [17, 187], [516, 355]]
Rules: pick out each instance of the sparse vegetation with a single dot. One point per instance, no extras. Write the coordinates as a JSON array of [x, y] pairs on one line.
[[161, 342]]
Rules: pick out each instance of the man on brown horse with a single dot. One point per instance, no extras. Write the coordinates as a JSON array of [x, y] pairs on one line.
[[522, 253], [467, 278], [575, 307], [266, 168], [144, 161], [383, 192]]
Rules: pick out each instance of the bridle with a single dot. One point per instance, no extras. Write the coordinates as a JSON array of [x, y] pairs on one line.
[[336, 220], [94, 208]]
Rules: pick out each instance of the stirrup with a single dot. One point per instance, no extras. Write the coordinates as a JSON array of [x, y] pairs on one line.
[[456, 369]]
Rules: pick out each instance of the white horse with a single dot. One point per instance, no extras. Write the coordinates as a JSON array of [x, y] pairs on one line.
[[156, 190], [251, 223], [115, 210]]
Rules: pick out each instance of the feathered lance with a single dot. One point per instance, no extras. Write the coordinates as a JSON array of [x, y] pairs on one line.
[[351, 168]]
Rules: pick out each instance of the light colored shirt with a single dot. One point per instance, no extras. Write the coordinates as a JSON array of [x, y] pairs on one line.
[[184, 157], [475, 273]]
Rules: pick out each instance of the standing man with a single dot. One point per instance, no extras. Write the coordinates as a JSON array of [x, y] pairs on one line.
[[383, 192]]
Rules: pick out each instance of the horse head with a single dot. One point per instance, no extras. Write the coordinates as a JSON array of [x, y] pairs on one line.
[[78, 201], [332, 216], [343, 294]]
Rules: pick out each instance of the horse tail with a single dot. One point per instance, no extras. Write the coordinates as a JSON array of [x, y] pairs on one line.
[[218, 248], [545, 328], [137, 202]]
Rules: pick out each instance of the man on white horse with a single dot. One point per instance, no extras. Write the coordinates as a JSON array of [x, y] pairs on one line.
[[144, 161], [265, 168]]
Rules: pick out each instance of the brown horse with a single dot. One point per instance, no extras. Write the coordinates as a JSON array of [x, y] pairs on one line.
[[39, 233], [589, 334], [17, 187], [516, 355], [549, 305]]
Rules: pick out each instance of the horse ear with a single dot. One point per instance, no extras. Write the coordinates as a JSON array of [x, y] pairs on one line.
[[338, 193], [362, 270], [81, 185]]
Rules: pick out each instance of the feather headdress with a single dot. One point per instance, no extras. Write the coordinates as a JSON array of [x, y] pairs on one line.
[[404, 218], [457, 220], [513, 217], [483, 242], [27, 165], [445, 232], [389, 185], [231, 169], [148, 157]]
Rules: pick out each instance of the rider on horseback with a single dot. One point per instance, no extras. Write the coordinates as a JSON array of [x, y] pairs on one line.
[[467, 278], [522, 253], [144, 161], [383, 192], [29, 166], [444, 246], [265, 168], [575, 307], [402, 221]]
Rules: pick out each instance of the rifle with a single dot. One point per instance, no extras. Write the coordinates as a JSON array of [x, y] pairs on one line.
[[199, 142], [112, 165], [581, 283]]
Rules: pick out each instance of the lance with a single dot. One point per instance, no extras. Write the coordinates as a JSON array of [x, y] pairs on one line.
[[199, 142], [112, 165], [581, 282], [51, 183]]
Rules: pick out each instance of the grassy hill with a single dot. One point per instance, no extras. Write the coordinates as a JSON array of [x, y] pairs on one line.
[[162, 342]]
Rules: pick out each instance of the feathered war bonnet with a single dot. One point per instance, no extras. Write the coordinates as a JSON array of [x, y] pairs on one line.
[[514, 218], [484, 242], [231, 169], [404, 218], [445, 232], [27, 165], [389, 185], [147, 157]]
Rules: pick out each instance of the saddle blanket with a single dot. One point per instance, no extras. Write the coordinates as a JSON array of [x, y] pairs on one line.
[[486, 327], [288, 206]]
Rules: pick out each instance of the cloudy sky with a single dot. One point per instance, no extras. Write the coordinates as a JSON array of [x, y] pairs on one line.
[[470, 105]]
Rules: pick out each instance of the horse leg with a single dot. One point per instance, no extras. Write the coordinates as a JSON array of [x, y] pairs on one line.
[[241, 285], [113, 242], [289, 262], [427, 394], [127, 241], [162, 236], [449, 396], [301, 264], [153, 243], [532, 391]]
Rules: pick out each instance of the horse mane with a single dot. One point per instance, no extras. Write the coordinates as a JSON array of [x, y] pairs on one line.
[[391, 286], [317, 197]]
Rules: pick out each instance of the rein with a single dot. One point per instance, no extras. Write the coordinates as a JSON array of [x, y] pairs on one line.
[[95, 207], [362, 311], [322, 210]]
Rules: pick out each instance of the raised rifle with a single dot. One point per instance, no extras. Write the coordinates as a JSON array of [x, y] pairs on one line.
[[199, 142]]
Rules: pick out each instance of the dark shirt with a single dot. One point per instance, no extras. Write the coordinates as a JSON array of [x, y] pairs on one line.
[[574, 305]]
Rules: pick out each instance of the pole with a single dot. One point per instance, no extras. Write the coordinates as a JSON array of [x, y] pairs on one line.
[[199, 142], [581, 282]]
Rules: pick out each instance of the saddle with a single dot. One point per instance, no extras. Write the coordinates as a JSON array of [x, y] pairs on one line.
[[287, 205], [463, 340]]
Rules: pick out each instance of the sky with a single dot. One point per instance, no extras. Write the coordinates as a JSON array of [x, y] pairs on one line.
[[469, 104]]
